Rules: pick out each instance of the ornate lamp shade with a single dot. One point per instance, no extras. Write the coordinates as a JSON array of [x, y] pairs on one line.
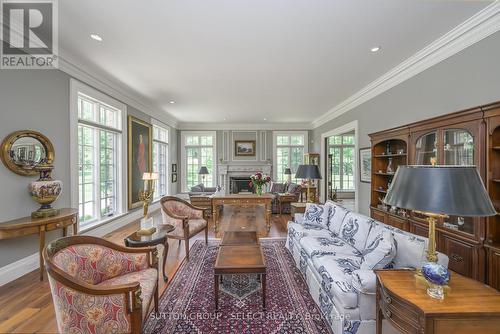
[[288, 171], [443, 190], [203, 170]]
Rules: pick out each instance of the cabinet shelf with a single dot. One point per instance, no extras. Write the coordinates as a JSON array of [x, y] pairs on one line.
[[386, 174], [389, 155], [496, 148], [381, 191]]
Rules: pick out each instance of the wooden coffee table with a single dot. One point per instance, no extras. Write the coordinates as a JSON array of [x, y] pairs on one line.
[[239, 238], [243, 258]]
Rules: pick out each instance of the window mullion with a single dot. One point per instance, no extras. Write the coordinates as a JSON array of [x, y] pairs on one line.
[[97, 180]]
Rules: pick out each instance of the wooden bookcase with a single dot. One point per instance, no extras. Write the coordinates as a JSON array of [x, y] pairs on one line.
[[467, 137]]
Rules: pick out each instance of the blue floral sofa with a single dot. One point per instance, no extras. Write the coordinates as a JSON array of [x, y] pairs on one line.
[[337, 250]]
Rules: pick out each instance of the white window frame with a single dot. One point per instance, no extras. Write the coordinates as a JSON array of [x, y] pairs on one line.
[[305, 134], [158, 124], [340, 130], [77, 87], [213, 172], [342, 146]]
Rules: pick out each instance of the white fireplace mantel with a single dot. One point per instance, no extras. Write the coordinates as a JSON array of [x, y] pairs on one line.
[[227, 171]]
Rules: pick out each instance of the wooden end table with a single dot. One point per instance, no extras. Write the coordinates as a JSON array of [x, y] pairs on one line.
[[469, 306], [240, 259], [158, 238], [283, 198]]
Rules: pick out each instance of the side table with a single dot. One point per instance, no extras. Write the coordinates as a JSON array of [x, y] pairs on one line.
[[469, 306], [283, 198], [158, 238]]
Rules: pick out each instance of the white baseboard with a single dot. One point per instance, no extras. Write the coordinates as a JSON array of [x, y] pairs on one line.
[[26, 265]]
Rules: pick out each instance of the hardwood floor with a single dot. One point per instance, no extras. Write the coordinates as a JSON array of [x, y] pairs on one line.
[[26, 303]]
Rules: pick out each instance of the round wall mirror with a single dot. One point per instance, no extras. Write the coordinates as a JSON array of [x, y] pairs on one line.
[[22, 151]]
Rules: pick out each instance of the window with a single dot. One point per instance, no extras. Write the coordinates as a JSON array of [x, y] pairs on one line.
[[289, 149], [160, 160], [341, 149], [198, 150], [99, 137]]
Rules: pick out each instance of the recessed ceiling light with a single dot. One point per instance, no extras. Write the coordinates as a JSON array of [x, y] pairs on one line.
[[375, 49], [172, 102], [96, 37], [225, 118], [265, 119]]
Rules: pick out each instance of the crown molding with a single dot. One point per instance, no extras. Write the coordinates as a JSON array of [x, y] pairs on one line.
[[120, 92], [244, 126], [481, 25]]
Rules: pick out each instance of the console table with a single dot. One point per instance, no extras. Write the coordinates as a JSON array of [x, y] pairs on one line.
[[469, 306], [241, 200], [27, 226]]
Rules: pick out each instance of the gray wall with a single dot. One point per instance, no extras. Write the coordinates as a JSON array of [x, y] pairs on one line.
[[468, 79], [38, 100]]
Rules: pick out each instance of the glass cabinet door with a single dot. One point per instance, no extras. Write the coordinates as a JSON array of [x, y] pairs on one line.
[[458, 147], [426, 149]]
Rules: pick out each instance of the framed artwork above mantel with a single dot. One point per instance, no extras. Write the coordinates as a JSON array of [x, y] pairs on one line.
[[244, 148]]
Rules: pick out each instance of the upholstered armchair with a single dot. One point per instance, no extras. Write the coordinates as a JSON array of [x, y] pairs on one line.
[[101, 287], [186, 218]]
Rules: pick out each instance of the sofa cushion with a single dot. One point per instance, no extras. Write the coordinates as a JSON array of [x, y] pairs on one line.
[[199, 188], [147, 279], [299, 231], [337, 215], [410, 249], [335, 277], [316, 214], [364, 281], [355, 229], [321, 245], [380, 249], [277, 188]]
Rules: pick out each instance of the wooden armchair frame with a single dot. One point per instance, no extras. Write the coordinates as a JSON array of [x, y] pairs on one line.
[[185, 221], [131, 291]]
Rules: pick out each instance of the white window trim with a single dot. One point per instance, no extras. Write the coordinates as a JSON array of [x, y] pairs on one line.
[[169, 178], [79, 87], [338, 131], [341, 146], [275, 146], [182, 145]]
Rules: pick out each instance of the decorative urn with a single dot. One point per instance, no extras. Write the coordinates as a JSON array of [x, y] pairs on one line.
[[45, 191], [437, 275]]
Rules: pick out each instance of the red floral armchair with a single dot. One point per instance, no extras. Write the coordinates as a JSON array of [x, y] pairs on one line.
[[186, 218], [101, 287]]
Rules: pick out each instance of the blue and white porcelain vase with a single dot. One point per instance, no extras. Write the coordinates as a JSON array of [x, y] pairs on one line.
[[437, 275]]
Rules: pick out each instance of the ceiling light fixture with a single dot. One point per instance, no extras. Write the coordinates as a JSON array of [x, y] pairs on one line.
[[265, 119], [96, 37], [172, 102], [375, 49]]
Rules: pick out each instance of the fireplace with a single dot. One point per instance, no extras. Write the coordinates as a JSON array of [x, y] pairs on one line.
[[240, 185]]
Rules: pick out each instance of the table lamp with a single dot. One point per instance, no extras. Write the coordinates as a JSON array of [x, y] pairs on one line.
[[146, 195], [203, 171], [437, 192], [288, 173], [309, 172]]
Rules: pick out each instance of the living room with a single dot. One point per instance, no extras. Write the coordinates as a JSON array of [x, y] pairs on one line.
[[250, 167]]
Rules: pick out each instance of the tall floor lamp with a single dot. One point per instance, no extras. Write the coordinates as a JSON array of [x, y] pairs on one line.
[[308, 172], [438, 192]]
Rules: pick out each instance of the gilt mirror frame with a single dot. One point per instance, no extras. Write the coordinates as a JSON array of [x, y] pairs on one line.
[[9, 141]]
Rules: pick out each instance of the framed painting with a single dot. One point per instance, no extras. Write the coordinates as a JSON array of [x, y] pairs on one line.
[[365, 164], [139, 157], [244, 148], [174, 177], [174, 168]]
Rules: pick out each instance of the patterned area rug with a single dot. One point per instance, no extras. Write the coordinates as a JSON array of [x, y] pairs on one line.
[[187, 306]]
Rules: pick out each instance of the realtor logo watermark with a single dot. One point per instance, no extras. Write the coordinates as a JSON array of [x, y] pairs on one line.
[[29, 34]]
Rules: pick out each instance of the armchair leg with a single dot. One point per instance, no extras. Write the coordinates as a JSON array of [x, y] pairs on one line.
[[180, 242], [156, 299], [206, 235], [186, 243]]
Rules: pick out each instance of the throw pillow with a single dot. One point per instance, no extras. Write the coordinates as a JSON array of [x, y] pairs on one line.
[[410, 250], [379, 251], [337, 215], [316, 214]]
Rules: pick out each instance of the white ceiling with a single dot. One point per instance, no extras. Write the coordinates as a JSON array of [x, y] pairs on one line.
[[246, 60]]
